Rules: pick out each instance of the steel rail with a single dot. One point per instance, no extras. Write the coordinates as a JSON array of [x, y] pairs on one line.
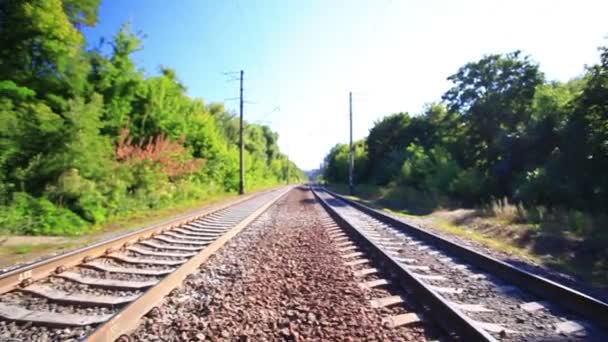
[[127, 320], [30, 272], [584, 305], [443, 313]]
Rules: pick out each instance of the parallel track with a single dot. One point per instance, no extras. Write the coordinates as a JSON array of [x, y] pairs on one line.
[[474, 297], [99, 292]]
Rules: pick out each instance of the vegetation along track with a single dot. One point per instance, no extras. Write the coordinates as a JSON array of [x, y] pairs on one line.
[[98, 293], [470, 295]]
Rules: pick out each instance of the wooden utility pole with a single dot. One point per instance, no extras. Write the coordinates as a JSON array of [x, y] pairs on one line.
[[242, 145], [351, 162]]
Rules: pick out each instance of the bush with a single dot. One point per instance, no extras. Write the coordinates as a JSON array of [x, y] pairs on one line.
[[80, 195], [468, 186], [39, 216], [431, 171]]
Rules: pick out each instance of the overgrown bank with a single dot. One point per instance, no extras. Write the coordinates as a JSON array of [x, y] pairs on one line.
[[86, 136]]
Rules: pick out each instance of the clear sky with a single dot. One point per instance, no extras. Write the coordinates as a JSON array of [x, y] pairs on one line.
[[301, 58]]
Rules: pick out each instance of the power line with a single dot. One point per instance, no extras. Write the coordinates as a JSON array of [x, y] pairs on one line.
[[275, 109]]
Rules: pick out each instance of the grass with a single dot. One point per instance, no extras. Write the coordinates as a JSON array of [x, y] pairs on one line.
[[19, 249], [497, 244], [23, 249], [23, 252]]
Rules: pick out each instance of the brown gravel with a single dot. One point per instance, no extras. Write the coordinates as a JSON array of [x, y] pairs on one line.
[[280, 279]]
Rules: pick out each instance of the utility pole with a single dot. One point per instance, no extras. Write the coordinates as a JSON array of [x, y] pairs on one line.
[[288, 174], [351, 162], [242, 145]]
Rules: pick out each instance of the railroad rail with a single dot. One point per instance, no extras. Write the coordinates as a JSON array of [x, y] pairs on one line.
[[99, 292], [472, 296]]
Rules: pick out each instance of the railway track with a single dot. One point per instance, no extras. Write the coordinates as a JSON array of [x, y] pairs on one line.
[[99, 292], [471, 296]]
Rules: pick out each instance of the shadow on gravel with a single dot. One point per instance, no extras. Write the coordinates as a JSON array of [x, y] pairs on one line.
[[308, 201]]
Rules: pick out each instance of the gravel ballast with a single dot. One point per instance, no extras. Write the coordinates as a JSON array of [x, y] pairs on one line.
[[279, 279]]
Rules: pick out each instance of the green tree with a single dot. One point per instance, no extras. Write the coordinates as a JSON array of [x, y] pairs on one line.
[[584, 160], [495, 96], [41, 49], [118, 80]]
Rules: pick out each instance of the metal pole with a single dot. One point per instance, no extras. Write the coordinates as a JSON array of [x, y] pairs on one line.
[[242, 145], [351, 163]]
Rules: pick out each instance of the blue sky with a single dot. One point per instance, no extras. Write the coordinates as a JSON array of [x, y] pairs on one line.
[[301, 58]]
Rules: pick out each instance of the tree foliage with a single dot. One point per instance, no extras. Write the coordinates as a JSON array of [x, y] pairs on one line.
[[86, 136], [501, 131]]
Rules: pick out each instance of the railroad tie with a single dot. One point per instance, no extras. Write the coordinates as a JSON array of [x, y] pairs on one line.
[[344, 244], [374, 283], [356, 262], [168, 239], [385, 301], [169, 247], [188, 232], [20, 314], [58, 295], [400, 320], [178, 235], [337, 235], [333, 230], [352, 255], [101, 266], [347, 249], [138, 260], [159, 254], [340, 239], [107, 282], [364, 272]]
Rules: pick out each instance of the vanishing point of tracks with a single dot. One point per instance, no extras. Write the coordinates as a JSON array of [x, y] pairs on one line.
[[471, 296], [98, 293]]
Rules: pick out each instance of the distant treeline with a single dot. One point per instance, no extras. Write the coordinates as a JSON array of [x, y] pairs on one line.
[[502, 131], [85, 136]]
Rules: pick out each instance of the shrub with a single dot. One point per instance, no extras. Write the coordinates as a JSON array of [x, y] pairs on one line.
[[468, 186], [432, 171], [39, 216]]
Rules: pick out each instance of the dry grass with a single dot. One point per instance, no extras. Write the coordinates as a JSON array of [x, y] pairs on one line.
[[504, 211]]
